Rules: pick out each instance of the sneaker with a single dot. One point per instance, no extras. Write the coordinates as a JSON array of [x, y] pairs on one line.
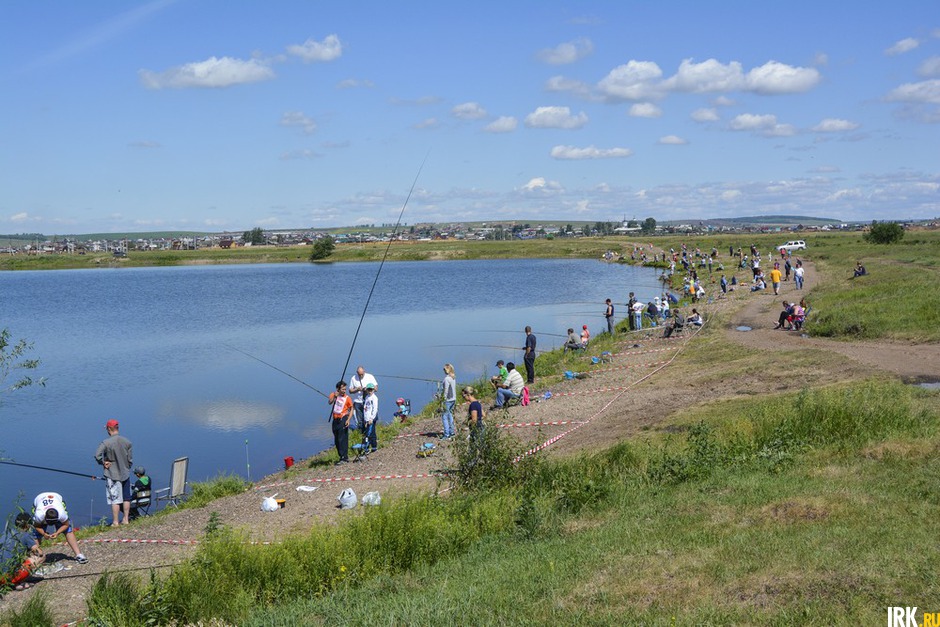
[[373, 450], [342, 461], [81, 559]]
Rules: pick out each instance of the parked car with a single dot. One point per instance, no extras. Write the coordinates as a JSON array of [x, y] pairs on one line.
[[796, 244]]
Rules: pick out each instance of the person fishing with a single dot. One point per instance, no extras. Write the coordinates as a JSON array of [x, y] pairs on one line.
[[342, 411]]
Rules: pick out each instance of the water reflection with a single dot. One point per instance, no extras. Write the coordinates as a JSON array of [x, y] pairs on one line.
[[226, 415]]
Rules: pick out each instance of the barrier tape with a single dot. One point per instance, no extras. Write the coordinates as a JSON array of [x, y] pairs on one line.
[[416, 435], [135, 541], [538, 424], [597, 391], [652, 350], [627, 367], [360, 478]]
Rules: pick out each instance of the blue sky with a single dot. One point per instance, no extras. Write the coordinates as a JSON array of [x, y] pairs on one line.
[[211, 115]]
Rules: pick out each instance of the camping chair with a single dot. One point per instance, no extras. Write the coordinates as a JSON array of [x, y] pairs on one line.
[[362, 449], [140, 503], [176, 493]]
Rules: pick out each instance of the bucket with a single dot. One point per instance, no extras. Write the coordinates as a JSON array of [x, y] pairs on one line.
[[280, 502], [288, 462]]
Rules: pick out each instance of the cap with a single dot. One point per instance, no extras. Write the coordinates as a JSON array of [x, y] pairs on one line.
[[370, 386], [140, 470], [584, 327], [400, 401], [111, 424]]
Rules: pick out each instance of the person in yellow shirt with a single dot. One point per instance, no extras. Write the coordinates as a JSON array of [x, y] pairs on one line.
[[775, 276]]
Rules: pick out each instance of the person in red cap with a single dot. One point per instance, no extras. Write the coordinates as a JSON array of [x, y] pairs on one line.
[[585, 336], [115, 454]]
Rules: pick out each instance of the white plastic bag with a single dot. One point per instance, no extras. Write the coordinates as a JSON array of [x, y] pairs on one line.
[[347, 499], [372, 498], [269, 504]]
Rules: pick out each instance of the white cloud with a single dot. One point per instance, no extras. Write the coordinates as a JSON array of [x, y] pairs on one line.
[[536, 183], [723, 101], [645, 110], [707, 76], [636, 80], [590, 152], [541, 186], [922, 92], [330, 49], [672, 140], [705, 115], [902, 46], [779, 78], [555, 117], [427, 123], [568, 52], [568, 85], [502, 124], [469, 111], [213, 72], [930, 67], [352, 83], [765, 125], [299, 119], [821, 59], [834, 125], [730, 195], [19, 217]]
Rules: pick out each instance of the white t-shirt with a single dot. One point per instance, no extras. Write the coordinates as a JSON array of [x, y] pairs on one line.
[[355, 383], [47, 501]]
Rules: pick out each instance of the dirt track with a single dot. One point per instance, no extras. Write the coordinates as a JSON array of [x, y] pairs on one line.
[[620, 399]]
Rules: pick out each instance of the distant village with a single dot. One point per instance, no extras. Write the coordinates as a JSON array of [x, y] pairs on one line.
[[39, 245]]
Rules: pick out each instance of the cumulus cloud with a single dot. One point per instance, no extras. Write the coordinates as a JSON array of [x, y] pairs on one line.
[[311, 51], [645, 110], [568, 52], [590, 152], [352, 83], [213, 72], [821, 59], [922, 92], [555, 117], [672, 140], [19, 217], [469, 111], [502, 124], [723, 101], [730, 195], [300, 120], [568, 85], [902, 46], [705, 115], [929, 68], [765, 125], [636, 80], [707, 76], [542, 186], [779, 78], [427, 123], [835, 125]]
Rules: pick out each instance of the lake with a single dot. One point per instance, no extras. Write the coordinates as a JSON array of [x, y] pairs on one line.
[[155, 348]]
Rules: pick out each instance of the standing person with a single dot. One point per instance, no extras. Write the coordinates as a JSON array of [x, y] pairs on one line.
[[450, 400], [49, 511], [357, 386], [19, 554], [370, 415], [724, 284], [115, 454], [342, 411], [798, 275], [609, 315], [775, 277], [474, 414], [637, 315], [630, 303], [528, 358]]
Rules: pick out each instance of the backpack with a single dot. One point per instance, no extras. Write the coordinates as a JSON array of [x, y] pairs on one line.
[[525, 396]]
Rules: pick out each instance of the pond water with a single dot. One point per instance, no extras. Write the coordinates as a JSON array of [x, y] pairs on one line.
[[155, 348]]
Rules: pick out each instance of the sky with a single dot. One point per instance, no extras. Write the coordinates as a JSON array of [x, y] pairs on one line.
[[213, 115]]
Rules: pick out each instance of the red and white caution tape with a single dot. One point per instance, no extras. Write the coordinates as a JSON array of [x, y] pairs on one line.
[[538, 424], [360, 478], [627, 367], [652, 350], [135, 541]]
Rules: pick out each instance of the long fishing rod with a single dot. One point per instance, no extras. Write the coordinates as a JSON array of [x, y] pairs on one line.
[[514, 348], [381, 265], [278, 369], [534, 332], [392, 376], [64, 472]]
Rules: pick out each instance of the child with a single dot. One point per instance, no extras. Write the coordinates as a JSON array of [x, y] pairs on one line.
[[20, 554], [404, 409]]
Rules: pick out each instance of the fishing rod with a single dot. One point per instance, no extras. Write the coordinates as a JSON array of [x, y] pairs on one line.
[[534, 333], [392, 376], [514, 348], [381, 265], [278, 369], [64, 472]]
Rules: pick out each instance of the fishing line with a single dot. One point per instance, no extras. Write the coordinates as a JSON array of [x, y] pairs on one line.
[[513, 348], [381, 265], [392, 376], [536, 333], [278, 369], [64, 472]]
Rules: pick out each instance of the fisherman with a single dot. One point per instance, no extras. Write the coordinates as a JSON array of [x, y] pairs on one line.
[[357, 386], [370, 416], [49, 511], [574, 342], [142, 484], [342, 412], [20, 554], [116, 456], [528, 357], [511, 388]]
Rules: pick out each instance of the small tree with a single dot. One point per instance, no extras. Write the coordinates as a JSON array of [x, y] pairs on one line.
[[12, 358], [884, 233], [322, 248], [254, 237], [649, 226]]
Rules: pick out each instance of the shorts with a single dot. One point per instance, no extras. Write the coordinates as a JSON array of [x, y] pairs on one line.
[[54, 526], [118, 491]]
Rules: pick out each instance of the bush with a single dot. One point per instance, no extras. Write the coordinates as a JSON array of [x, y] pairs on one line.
[[884, 233], [322, 248], [35, 613]]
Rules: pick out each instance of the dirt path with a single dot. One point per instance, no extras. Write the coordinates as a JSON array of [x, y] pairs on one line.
[[633, 393]]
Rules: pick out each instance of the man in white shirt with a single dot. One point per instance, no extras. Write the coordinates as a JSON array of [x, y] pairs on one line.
[[511, 387], [49, 511], [357, 385]]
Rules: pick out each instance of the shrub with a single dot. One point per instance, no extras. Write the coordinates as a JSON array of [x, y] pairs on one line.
[[884, 233], [36, 612], [322, 248]]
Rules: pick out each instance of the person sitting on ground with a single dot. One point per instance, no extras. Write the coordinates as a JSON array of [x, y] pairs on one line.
[[859, 269], [784, 315], [695, 318], [497, 379], [585, 336], [20, 554], [142, 484], [796, 317], [404, 408], [759, 285], [511, 388], [678, 323], [49, 511], [573, 343]]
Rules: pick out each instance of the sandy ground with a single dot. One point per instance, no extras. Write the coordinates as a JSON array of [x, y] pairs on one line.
[[634, 393]]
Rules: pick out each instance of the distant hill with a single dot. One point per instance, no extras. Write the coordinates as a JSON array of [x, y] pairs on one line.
[[765, 221]]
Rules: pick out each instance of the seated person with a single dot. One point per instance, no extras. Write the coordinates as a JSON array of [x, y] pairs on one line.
[[49, 511], [511, 388], [759, 284], [585, 336], [574, 342], [20, 554], [859, 269], [678, 322], [496, 379], [140, 491], [695, 318], [784, 315], [796, 317], [652, 311], [404, 408]]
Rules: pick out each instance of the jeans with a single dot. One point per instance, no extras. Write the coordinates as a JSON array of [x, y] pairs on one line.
[[503, 395], [637, 320], [447, 419], [359, 409], [369, 437], [799, 281], [610, 325]]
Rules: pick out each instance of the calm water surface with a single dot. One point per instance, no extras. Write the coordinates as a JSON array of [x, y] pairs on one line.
[[152, 347]]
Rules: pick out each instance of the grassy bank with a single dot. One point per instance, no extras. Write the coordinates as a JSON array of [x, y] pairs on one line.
[[815, 507]]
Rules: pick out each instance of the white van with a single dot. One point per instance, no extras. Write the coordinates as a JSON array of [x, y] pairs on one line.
[[797, 244]]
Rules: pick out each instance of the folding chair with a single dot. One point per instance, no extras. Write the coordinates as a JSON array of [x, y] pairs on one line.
[[140, 504], [362, 449], [176, 493]]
